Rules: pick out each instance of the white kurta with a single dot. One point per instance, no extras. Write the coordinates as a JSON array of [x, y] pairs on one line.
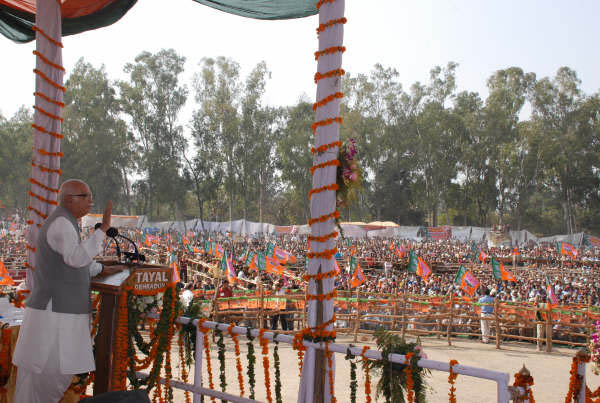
[[42, 330]]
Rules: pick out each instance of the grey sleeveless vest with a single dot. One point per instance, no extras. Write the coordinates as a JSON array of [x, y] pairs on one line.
[[68, 287]]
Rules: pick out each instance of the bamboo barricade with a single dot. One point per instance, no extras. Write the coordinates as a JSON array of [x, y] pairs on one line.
[[423, 316]]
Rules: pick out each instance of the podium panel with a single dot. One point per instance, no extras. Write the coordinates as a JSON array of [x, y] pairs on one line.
[[141, 277]]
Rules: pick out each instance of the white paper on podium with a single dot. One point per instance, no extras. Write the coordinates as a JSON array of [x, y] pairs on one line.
[[114, 279]]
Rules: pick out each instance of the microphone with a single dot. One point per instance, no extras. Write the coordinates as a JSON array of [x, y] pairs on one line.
[[114, 233]]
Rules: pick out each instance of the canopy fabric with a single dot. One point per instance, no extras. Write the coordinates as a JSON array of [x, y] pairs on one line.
[[17, 17], [265, 9]]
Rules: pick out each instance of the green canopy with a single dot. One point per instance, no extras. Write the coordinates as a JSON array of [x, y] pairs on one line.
[[16, 22]]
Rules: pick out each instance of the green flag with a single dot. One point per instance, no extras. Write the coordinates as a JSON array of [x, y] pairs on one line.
[[459, 275], [249, 258], [353, 264], [261, 261], [413, 262], [269, 249]]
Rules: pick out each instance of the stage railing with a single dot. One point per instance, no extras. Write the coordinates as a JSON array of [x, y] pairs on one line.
[[503, 390]]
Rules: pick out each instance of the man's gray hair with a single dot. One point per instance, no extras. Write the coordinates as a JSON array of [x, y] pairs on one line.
[[67, 188]]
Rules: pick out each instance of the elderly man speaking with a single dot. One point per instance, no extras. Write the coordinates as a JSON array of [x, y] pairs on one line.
[[54, 341]]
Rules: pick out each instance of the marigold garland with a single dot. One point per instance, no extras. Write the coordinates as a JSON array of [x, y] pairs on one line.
[[50, 115], [320, 276], [299, 346], [49, 154], [331, 23], [264, 343], [328, 98], [48, 62], [322, 165], [326, 122], [207, 354], [48, 37], [575, 380], [321, 2], [50, 81], [329, 354], [323, 238], [31, 248], [321, 297], [42, 199], [329, 74], [184, 374], [46, 169], [42, 130], [410, 390], [365, 362], [238, 362], [18, 298], [525, 382], [335, 215], [451, 380], [332, 187], [325, 147], [326, 254], [49, 189]]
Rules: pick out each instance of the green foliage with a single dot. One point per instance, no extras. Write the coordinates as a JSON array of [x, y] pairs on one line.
[[392, 383]]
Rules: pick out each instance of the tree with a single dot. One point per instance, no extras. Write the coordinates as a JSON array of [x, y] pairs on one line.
[[15, 158], [97, 146], [569, 121], [153, 98]]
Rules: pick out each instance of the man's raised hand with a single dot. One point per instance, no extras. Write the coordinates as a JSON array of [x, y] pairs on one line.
[[106, 216]]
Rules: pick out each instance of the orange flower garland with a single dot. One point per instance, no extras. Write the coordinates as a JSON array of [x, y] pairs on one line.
[[332, 187], [326, 122], [264, 343], [207, 353], [575, 379], [328, 354], [365, 362], [410, 392], [326, 254], [326, 147], [336, 163], [526, 382], [451, 379], [331, 23], [323, 218], [298, 345], [321, 297], [238, 363]]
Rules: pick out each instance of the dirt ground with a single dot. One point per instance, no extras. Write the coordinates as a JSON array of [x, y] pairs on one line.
[[550, 371]]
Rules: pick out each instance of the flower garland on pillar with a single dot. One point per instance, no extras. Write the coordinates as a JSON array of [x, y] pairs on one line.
[[353, 383], [451, 380], [206, 343], [365, 362], [184, 374], [264, 343], [238, 362], [575, 379], [410, 390], [251, 357]]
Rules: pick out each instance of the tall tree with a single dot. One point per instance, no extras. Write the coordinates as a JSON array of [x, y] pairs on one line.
[[97, 147], [153, 98]]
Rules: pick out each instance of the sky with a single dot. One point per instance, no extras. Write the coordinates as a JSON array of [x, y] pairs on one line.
[[410, 36]]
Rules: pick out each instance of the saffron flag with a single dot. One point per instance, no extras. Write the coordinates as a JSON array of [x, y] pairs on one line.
[[418, 266], [566, 249], [552, 300], [358, 277], [175, 267], [272, 266], [516, 251], [258, 262], [337, 267], [478, 254], [283, 256], [500, 273], [249, 258], [227, 267], [465, 279], [219, 251], [400, 251], [5, 278]]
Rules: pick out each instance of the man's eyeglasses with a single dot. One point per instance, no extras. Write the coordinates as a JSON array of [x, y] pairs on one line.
[[85, 195]]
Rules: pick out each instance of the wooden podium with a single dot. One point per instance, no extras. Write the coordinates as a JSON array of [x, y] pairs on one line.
[[143, 277]]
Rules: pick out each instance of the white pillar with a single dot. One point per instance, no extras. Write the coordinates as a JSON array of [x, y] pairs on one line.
[[49, 89], [323, 203]]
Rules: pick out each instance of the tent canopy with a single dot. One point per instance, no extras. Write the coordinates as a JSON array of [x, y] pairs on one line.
[[17, 17]]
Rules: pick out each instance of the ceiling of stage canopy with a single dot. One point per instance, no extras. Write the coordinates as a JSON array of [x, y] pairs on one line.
[[17, 17]]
